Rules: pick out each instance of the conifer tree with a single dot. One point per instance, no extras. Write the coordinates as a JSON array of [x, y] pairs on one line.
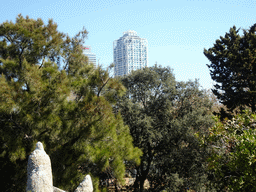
[[233, 68], [49, 94]]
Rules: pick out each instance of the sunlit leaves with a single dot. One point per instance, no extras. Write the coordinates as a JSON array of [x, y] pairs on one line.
[[233, 152], [66, 108]]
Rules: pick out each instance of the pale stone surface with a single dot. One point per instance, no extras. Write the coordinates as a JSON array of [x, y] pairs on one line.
[[85, 185], [39, 171], [55, 189], [39, 174]]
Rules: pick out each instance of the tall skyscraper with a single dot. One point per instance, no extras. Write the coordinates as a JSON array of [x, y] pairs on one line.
[[91, 56], [130, 53]]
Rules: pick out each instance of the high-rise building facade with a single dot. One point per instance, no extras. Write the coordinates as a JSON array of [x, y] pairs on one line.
[[130, 53], [91, 56]]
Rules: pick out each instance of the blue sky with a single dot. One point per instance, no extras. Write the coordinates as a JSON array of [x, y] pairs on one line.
[[177, 31]]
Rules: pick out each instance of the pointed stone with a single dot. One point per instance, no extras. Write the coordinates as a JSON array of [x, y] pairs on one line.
[[85, 185], [39, 171]]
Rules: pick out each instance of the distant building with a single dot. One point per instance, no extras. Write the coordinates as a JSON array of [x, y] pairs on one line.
[[91, 56], [130, 53]]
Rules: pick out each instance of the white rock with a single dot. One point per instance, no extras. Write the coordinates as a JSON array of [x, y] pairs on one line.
[[39, 171], [55, 189], [85, 185]]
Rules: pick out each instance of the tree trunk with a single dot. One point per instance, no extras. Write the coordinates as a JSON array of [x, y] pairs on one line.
[[141, 173], [253, 107]]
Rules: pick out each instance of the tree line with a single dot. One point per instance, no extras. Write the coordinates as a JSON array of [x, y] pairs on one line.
[[145, 125]]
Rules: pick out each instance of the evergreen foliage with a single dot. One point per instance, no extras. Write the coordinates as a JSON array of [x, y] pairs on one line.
[[233, 68], [165, 118], [50, 93]]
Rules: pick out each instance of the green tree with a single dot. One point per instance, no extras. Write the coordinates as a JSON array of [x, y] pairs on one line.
[[232, 160], [49, 94], [233, 68], [164, 116]]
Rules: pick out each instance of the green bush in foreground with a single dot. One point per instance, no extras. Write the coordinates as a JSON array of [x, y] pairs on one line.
[[233, 156]]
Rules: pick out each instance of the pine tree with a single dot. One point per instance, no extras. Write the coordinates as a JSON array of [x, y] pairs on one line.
[[48, 94], [233, 68]]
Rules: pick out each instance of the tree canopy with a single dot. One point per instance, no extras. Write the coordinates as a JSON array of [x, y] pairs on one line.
[[164, 117], [50, 93], [232, 158], [233, 68]]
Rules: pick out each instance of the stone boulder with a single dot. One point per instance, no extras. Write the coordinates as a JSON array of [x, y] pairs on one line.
[[39, 171], [39, 174], [55, 189], [85, 185]]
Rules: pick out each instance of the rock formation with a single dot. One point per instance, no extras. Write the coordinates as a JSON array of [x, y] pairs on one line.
[[39, 174], [39, 171], [85, 185], [55, 189]]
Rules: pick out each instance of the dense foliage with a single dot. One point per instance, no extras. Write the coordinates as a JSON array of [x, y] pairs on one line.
[[233, 158], [50, 93], [233, 68], [231, 163], [165, 117], [89, 122]]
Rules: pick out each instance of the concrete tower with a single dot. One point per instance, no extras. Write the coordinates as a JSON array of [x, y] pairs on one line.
[[130, 53]]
